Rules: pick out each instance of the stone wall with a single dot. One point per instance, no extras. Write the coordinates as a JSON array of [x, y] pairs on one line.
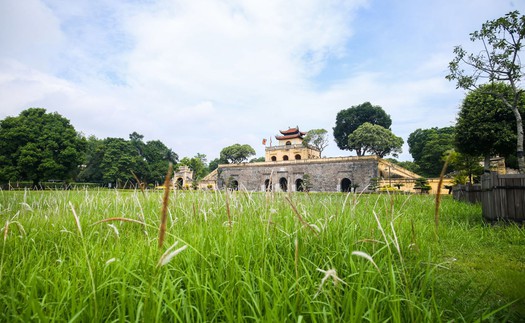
[[326, 174]]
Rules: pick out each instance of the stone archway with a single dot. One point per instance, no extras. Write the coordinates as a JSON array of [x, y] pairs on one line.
[[179, 183], [297, 157], [234, 185], [267, 186], [283, 184], [285, 157], [346, 185], [299, 185]]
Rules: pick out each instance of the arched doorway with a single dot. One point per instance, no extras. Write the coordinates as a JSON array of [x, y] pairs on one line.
[[283, 183], [297, 157], [274, 158], [285, 157], [299, 185], [234, 185], [346, 185], [267, 186], [179, 183]]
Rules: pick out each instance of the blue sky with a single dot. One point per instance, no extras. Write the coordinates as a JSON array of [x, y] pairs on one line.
[[201, 75]]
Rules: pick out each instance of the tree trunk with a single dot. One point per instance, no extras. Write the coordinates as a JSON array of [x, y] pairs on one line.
[[486, 164], [519, 144]]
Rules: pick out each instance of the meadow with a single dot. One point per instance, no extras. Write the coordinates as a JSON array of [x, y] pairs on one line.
[[96, 255]]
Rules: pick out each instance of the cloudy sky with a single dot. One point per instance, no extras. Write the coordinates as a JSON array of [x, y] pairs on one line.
[[200, 75]]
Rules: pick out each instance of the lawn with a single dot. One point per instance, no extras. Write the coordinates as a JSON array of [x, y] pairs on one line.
[[94, 255]]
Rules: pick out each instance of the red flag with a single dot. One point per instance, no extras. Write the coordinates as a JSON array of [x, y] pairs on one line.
[[264, 141]]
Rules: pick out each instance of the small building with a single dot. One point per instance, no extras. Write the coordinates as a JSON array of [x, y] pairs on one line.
[[290, 147]]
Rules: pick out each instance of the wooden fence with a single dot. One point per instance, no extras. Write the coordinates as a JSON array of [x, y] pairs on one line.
[[470, 193], [503, 197]]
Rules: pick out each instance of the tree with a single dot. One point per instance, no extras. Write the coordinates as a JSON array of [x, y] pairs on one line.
[[37, 146], [485, 125], [257, 160], [214, 164], [317, 138], [197, 164], [374, 139], [119, 160], [347, 121], [497, 61], [466, 166], [236, 153], [428, 146]]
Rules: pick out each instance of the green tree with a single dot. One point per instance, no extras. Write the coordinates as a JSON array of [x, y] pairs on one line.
[[119, 160], [375, 139], [157, 157], [214, 164], [236, 153], [257, 160], [408, 165], [497, 60], [348, 120], [485, 125], [428, 146], [197, 164], [37, 146], [317, 138], [467, 166]]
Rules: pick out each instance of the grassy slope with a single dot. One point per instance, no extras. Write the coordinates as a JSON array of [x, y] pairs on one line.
[[265, 265]]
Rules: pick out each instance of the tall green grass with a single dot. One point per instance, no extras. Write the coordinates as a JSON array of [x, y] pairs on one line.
[[254, 257]]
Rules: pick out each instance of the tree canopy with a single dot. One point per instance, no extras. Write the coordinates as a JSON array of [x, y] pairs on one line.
[[236, 153], [348, 120], [116, 160], [370, 138], [496, 60], [317, 138], [485, 125], [37, 146], [428, 146], [197, 164]]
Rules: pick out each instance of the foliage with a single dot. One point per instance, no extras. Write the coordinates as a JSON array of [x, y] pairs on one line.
[[236, 153], [197, 164], [115, 160], [317, 138], [257, 160], [37, 146], [428, 146], [214, 164], [421, 184], [466, 166], [374, 139], [497, 60], [348, 120], [374, 259], [485, 125]]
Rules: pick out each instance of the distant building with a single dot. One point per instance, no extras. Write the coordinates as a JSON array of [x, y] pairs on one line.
[[292, 166]]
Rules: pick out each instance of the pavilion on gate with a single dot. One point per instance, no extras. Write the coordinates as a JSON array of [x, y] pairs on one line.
[[290, 147]]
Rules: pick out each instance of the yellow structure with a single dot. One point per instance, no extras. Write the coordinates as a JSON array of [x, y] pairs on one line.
[[290, 147]]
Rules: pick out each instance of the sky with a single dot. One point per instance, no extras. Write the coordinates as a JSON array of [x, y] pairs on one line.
[[200, 75]]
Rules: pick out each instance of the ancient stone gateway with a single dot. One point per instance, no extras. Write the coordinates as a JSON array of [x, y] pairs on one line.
[[324, 174]]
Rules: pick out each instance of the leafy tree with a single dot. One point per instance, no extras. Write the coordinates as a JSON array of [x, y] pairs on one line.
[[197, 164], [485, 125], [498, 60], [236, 153], [317, 138], [37, 146], [214, 164], [257, 160], [374, 139], [157, 157], [428, 146], [466, 165], [119, 160], [348, 120], [91, 171]]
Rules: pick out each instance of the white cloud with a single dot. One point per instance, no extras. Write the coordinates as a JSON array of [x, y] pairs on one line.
[[200, 75]]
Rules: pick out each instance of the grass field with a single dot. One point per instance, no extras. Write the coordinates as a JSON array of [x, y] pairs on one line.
[[254, 257]]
